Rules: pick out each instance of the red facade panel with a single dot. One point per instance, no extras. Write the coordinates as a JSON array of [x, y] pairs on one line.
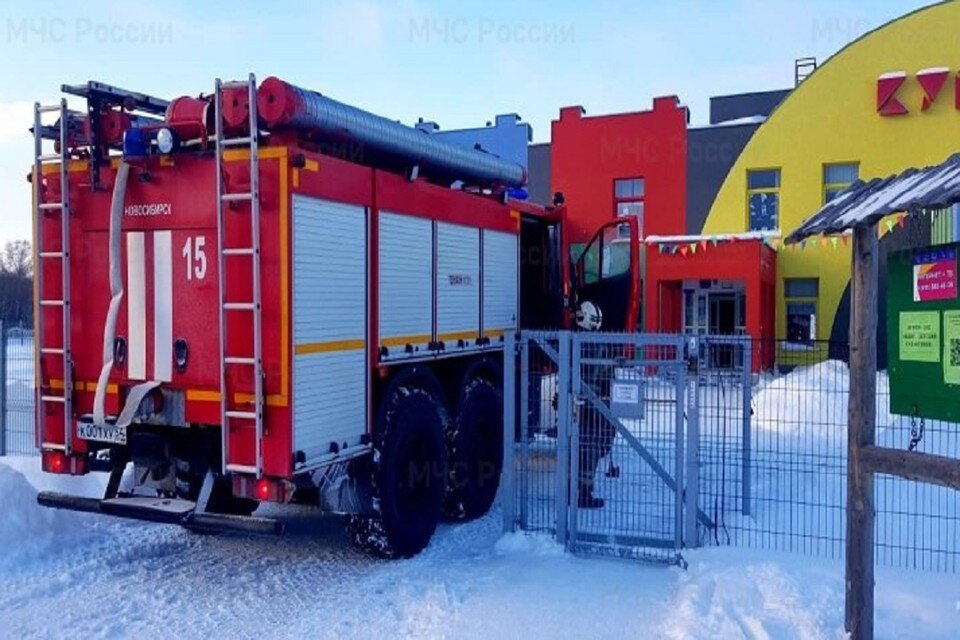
[[749, 262], [589, 154]]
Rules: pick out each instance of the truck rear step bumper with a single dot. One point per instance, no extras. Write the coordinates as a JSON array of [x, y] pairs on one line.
[[162, 510]]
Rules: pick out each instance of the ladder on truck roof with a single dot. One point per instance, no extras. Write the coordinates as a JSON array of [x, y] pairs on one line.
[[61, 256], [229, 414]]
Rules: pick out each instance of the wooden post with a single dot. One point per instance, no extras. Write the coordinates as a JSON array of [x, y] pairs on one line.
[[861, 433]]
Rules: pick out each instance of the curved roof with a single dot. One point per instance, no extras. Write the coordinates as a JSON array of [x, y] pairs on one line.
[[865, 203]]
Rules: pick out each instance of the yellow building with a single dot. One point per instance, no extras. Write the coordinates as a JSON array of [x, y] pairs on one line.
[[886, 102]]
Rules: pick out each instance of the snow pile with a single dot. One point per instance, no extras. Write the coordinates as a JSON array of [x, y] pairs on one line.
[[21, 518], [727, 595], [736, 593], [23, 521], [91, 485], [813, 398], [26, 528], [527, 543]]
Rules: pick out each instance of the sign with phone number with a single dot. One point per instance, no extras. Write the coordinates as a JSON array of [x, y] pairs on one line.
[[935, 275]]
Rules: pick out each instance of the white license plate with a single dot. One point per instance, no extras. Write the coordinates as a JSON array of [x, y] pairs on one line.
[[106, 433]]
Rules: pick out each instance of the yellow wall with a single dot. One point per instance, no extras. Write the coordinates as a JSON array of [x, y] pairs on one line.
[[832, 118]]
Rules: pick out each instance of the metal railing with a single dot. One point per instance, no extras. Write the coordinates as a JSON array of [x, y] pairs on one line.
[[17, 434], [765, 424], [536, 439], [793, 495]]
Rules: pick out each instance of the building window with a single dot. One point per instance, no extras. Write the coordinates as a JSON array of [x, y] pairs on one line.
[[801, 301], [837, 177], [607, 256], [763, 199], [628, 196]]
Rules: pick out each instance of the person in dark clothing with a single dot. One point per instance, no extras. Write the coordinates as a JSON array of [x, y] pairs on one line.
[[596, 441], [596, 432]]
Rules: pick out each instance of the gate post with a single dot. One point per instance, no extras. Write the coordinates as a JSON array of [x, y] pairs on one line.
[[747, 443], [573, 431], [524, 431], [561, 488], [508, 475], [691, 494], [4, 424]]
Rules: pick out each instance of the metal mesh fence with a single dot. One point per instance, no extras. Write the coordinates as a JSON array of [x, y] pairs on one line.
[[774, 477], [917, 525], [19, 437], [774, 459], [538, 477], [723, 417], [762, 435]]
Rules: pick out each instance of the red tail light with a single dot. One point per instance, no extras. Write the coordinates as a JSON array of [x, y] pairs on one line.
[[54, 462], [59, 462], [264, 489]]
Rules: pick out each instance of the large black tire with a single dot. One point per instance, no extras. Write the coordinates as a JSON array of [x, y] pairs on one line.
[[409, 478], [475, 452]]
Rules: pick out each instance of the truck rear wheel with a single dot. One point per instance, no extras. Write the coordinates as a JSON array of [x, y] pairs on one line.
[[409, 478], [476, 452]]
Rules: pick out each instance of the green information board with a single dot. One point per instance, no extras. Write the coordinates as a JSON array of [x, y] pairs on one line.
[[923, 332]]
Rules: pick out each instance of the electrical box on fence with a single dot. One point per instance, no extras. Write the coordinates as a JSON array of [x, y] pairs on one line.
[[923, 332], [626, 394]]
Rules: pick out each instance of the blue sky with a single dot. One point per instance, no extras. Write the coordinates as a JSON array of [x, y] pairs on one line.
[[458, 63]]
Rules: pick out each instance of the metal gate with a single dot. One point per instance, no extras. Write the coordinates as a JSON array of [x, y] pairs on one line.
[[599, 450]]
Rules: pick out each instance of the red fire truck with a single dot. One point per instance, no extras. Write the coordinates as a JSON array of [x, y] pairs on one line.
[[265, 295]]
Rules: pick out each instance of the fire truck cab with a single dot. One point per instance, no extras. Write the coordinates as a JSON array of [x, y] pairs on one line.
[[263, 295]]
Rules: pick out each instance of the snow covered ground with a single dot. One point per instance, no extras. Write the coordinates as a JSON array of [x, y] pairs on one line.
[[65, 574]]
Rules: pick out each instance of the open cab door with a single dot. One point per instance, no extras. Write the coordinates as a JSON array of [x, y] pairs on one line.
[[544, 263], [607, 278]]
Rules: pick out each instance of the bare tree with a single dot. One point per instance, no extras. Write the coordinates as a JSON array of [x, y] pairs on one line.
[[17, 258], [16, 283]]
